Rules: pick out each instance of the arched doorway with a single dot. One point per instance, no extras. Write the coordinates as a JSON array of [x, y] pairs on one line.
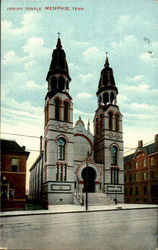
[[89, 175]]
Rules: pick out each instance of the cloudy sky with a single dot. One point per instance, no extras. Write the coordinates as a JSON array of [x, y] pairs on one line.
[[127, 29]]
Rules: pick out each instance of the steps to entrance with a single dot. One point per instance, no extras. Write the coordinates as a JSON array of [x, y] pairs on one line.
[[99, 199]]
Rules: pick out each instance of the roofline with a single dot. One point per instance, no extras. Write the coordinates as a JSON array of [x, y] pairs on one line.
[[50, 94], [16, 152], [153, 153], [142, 149], [36, 161]]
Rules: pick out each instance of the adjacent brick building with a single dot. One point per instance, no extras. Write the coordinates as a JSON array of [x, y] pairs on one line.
[[13, 175], [141, 174]]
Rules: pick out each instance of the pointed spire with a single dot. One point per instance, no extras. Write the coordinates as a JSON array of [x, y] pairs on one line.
[[58, 63], [79, 118], [107, 81], [59, 46], [106, 61]]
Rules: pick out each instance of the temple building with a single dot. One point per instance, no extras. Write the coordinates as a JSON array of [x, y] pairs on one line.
[[72, 161]]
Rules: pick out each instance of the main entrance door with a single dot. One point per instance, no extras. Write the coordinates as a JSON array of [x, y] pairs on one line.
[[89, 175]]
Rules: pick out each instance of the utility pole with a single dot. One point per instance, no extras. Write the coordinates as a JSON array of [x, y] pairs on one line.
[[115, 188], [87, 181]]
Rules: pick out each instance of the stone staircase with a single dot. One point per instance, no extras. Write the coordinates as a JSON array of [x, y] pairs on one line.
[[99, 199]]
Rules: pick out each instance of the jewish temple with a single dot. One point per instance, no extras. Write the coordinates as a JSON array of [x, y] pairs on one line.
[[72, 160]]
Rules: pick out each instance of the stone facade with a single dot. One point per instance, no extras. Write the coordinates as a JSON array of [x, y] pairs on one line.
[[73, 161], [108, 139], [54, 130]]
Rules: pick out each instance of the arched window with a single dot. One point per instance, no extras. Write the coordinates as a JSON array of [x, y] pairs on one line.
[[112, 96], [57, 172], [117, 122], [110, 120], [57, 109], [61, 172], [66, 111], [53, 84], [114, 176], [61, 83], [61, 148], [114, 155], [106, 98], [65, 173]]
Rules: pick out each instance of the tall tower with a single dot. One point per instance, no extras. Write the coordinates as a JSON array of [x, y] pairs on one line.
[[108, 139], [58, 148]]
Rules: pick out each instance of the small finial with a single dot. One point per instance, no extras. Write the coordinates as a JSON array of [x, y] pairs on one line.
[[59, 46], [106, 61], [79, 118], [59, 35]]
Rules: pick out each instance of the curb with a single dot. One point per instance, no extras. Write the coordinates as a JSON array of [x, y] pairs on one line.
[[84, 211]]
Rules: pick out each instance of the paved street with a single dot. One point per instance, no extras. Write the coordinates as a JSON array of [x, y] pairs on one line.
[[109, 230]]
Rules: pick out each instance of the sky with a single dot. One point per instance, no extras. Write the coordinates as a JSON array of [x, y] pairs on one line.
[[126, 29]]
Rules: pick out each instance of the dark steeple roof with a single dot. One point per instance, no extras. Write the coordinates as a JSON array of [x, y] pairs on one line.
[[106, 62], [58, 63], [12, 147], [107, 81]]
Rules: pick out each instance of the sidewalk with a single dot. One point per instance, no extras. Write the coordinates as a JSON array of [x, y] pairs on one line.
[[72, 208]]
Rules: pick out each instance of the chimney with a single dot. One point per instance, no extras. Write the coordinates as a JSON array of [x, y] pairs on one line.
[[140, 144], [41, 139], [23, 147], [156, 141]]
